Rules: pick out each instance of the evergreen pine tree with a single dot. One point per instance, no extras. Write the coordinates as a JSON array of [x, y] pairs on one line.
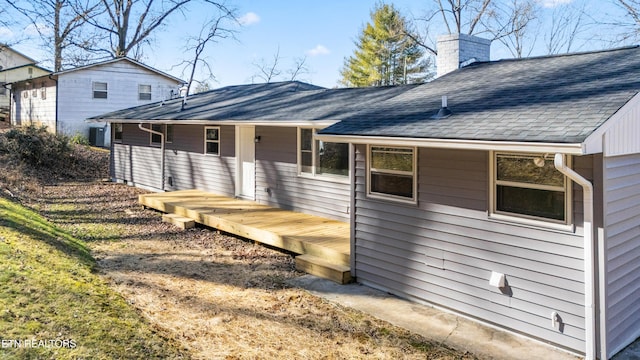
[[385, 55]]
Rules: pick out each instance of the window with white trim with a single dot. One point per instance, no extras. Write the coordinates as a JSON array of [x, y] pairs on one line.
[[392, 172], [319, 158], [212, 140], [99, 90], [117, 132], [144, 92], [529, 186]]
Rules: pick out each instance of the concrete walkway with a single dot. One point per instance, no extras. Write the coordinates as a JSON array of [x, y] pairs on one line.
[[454, 331]]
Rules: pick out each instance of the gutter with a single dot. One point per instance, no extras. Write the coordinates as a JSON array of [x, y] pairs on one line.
[[462, 144], [589, 255], [161, 150]]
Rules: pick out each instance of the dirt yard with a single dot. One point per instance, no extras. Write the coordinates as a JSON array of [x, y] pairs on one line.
[[218, 296]]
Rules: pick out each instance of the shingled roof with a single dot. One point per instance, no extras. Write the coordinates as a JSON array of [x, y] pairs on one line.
[[554, 99]]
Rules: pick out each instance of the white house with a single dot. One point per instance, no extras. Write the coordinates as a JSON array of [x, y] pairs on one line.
[[15, 66], [63, 100]]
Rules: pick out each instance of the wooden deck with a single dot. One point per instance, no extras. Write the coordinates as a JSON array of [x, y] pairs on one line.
[[323, 243]]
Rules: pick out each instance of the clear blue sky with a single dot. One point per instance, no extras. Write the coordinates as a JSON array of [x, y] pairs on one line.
[[323, 31]]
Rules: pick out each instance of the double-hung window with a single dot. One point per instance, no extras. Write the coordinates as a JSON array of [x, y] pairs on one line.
[[529, 186], [212, 140], [144, 92], [320, 158], [100, 90], [392, 172]]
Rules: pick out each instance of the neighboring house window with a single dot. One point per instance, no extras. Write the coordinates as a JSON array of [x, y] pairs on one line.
[[392, 172], [117, 132], [322, 158], [43, 92], [529, 186], [155, 138], [3, 90], [99, 90], [212, 140], [144, 92]]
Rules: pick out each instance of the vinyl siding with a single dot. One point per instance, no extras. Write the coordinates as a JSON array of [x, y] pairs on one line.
[[29, 106], [622, 239], [136, 162], [278, 183], [443, 249], [76, 102]]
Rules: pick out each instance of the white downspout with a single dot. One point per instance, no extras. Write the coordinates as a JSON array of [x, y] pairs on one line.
[[161, 150], [589, 255]]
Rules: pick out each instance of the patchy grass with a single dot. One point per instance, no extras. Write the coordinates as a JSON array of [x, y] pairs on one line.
[[51, 298]]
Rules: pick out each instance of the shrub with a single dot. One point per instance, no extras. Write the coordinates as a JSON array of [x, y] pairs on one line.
[[79, 139], [36, 146]]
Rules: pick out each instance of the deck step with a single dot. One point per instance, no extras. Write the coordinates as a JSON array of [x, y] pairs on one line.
[[179, 221], [320, 267]]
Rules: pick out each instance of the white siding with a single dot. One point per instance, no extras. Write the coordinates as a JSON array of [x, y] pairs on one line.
[[29, 106], [76, 102], [622, 241], [443, 250]]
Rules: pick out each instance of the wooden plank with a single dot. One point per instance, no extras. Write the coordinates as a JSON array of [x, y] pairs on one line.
[[299, 233], [183, 223], [322, 268]]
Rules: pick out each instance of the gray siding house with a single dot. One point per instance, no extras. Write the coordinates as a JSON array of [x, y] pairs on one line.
[[507, 191]]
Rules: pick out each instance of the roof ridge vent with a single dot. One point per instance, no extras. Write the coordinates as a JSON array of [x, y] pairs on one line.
[[444, 112]]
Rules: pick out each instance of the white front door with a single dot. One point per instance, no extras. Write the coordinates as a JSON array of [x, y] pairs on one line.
[[246, 155]]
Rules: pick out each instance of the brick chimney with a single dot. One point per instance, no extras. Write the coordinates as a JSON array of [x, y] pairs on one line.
[[455, 50]]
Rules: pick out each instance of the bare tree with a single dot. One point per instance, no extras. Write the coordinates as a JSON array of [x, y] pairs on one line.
[[567, 22], [511, 25], [58, 24], [299, 68], [212, 31], [270, 71], [629, 25], [267, 71], [129, 24], [507, 22], [463, 16]]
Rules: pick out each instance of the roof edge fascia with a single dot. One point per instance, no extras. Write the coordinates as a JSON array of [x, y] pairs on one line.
[[303, 123], [512, 146], [118, 59]]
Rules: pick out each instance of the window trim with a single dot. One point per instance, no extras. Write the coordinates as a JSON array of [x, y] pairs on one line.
[[106, 91], [206, 141], [140, 93], [151, 135], [164, 130], [115, 139], [314, 150], [531, 220], [414, 175]]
